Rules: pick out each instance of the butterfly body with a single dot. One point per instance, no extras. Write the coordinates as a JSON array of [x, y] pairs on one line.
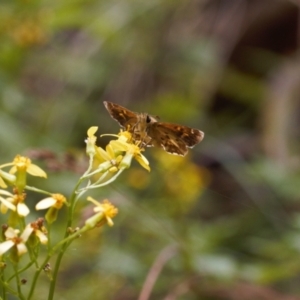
[[173, 138]]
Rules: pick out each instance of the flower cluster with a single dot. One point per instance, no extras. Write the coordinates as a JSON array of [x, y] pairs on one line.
[[116, 157], [14, 202], [105, 211], [20, 236], [118, 154]]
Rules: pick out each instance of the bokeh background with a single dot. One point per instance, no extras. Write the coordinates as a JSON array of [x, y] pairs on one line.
[[221, 223]]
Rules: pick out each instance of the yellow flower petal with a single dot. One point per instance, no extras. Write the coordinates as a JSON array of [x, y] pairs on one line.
[[110, 151], [109, 221], [103, 154], [13, 170], [2, 183], [119, 145], [92, 130], [93, 200], [34, 170], [142, 160], [7, 176]]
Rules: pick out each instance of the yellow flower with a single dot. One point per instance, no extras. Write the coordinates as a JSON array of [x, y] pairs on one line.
[[28, 32], [54, 203], [13, 240], [104, 160], [123, 143], [91, 140], [14, 202], [37, 228], [110, 156], [21, 166], [118, 154], [22, 163], [6, 203], [104, 213]]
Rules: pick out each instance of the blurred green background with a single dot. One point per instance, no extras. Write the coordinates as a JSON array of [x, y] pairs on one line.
[[221, 223]]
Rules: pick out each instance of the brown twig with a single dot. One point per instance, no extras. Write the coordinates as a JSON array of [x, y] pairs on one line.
[[164, 256]]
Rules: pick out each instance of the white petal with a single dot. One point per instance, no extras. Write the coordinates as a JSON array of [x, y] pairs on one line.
[[21, 249], [5, 246], [45, 203], [11, 233], [8, 204], [98, 209], [2, 183], [43, 238], [6, 193], [26, 233], [22, 209]]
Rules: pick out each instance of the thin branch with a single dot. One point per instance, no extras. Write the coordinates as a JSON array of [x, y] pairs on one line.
[[164, 256]]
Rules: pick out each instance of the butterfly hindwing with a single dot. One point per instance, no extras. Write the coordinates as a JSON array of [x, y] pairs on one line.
[[166, 139], [190, 136]]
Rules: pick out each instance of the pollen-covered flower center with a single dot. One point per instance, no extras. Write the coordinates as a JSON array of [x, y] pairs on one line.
[[17, 240], [21, 162], [19, 198], [60, 200]]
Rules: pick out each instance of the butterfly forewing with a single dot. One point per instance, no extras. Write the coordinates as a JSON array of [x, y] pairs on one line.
[[121, 114]]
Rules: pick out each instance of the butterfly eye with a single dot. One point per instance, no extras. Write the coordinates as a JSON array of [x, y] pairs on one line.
[[148, 119]]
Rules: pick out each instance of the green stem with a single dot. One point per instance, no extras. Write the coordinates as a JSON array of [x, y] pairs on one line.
[[36, 275], [33, 256], [83, 190], [2, 279], [104, 183], [20, 294], [49, 239], [101, 177], [50, 253], [20, 271], [54, 249], [64, 242], [68, 238], [7, 287], [31, 188]]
